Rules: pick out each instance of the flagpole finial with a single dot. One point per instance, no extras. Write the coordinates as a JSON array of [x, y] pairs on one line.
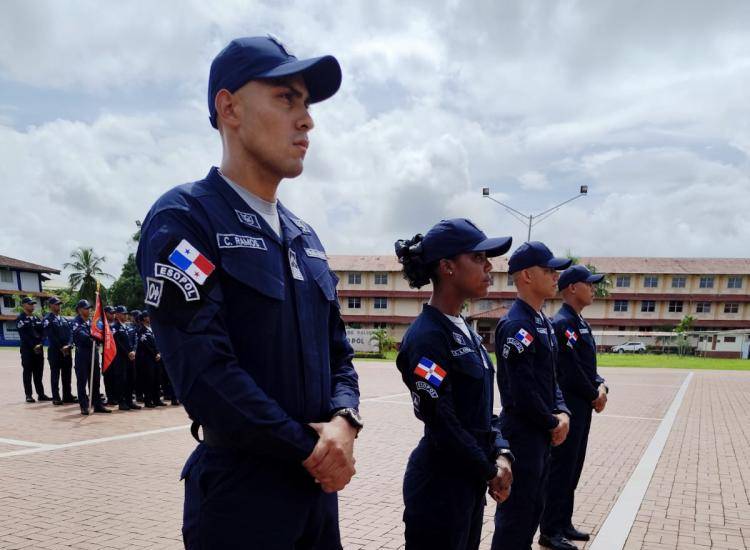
[[97, 287]]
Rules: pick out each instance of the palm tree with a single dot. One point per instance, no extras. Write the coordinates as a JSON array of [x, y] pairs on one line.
[[86, 266]]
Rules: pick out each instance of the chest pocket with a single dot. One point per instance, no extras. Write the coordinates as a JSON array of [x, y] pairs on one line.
[[469, 365], [262, 276], [319, 271]]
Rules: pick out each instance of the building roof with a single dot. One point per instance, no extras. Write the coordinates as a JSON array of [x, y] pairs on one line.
[[21, 265], [603, 264]]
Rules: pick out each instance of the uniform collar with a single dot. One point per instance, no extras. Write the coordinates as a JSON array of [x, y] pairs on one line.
[[525, 308], [440, 318]]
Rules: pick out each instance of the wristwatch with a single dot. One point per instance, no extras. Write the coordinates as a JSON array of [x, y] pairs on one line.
[[507, 454], [352, 417]]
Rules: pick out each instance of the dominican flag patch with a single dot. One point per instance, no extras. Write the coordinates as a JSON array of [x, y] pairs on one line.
[[524, 337], [193, 263], [430, 371], [571, 335]]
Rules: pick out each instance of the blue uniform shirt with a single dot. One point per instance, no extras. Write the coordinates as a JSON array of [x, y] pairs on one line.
[[576, 368], [247, 322], [451, 380], [58, 331], [526, 350], [29, 330], [122, 339], [82, 340]]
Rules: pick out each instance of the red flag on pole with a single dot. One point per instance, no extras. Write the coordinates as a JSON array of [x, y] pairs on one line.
[[101, 330]]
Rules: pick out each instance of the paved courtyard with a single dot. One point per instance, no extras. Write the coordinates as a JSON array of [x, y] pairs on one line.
[[668, 467]]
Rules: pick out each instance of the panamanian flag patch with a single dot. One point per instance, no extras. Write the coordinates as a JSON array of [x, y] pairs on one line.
[[524, 337], [186, 257], [430, 371]]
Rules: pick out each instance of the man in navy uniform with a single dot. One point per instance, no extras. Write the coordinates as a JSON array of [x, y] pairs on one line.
[[246, 315], [124, 359], [583, 390], [149, 361], [133, 331], [112, 376], [60, 343], [534, 414], [84, 344], [32, 353]]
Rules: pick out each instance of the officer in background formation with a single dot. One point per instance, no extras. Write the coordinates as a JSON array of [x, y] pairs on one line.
[[451, 380], [30, 331], [134, 331], [583, 390], [534, 413], [148, 359], [125, 359], [112, 376], [84, 345], [59, 352]]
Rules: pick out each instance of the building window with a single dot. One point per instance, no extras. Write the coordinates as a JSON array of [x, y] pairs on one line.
[[675, 306], [648, 306], [8, 301], [355, 278], [706, 282], [381, 278], [510, 280], [622, 281], [381, 303], [6, 276], [11, 328], [731, 307], [380, 325], [651, 281], [354, 302], [679, 282], [703, 307], [730, 339], [621, 305], [734, 281], [354, 325]]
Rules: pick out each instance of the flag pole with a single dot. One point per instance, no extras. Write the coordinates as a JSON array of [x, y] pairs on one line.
[[93, 356]]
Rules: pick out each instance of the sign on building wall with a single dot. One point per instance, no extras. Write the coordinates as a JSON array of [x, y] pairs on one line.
[[361, 339]]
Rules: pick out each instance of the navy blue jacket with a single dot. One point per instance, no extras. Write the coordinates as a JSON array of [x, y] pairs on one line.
[[122, 342], [30, 331], [58, 331], [131, 330], [83, 342], [576, 366], [526, 350], [250, 332], [456, 407]]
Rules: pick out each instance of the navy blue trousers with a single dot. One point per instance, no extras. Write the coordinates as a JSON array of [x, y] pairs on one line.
[[565, 469], [443, 506], [236, 501], [517, 519]]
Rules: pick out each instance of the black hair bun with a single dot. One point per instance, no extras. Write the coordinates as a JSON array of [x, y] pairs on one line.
[[409, 254]]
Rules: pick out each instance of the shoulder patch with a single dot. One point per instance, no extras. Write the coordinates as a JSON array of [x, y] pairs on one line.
[[248, 219], [430, 371], [425, 387], [190, 261], [524, 337], [179, 278], [571, 337], [228, 240], [154, 288], [515, 343]]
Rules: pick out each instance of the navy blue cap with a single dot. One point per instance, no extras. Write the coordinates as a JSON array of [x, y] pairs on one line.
[[143, 314], [534, 253], [109, 309], [121, 309], [259, 57], [27, 300], [83, 304], [458, 236], [135, 312], [578, 274], [54, 300]]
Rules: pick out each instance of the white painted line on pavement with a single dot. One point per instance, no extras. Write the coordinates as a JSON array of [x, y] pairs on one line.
[[605, 415], [381, 397], [616, 528], [20, 443]]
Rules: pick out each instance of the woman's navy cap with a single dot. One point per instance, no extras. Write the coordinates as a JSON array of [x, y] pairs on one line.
[[534, 253], [258, 57], [458, 236], [578, 274]]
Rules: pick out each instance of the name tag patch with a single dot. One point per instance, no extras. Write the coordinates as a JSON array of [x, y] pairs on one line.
[[461, 351], [248, 219], [154, 288], [189, 290], [313, 253], [228, 240]]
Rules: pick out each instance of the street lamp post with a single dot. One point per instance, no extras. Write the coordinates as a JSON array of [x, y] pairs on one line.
[[532, 219]]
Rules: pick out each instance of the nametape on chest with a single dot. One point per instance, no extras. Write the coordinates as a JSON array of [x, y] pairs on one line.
[[248, 219], [229, 240], [584, 330], [461, 351], [541, 330], [179, 278], [314, 253], [154, 289]]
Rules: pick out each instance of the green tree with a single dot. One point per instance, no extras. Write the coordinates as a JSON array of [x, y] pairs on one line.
[[383, 339], [87, 269], [601, 290], [127, 290], [681, 329]]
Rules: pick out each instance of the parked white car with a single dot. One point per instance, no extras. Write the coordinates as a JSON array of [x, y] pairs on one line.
[[629, 347]]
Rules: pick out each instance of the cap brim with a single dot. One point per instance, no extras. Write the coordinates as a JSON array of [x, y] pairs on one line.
[[558, 263], [497, 246], [595, 278], [322, 75]]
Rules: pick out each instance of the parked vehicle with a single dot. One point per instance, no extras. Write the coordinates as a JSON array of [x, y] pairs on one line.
[[629, 347]]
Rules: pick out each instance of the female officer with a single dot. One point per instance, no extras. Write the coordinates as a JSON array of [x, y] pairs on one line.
[[451, 379]]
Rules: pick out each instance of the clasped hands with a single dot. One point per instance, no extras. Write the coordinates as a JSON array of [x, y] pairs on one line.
[[332, 460]]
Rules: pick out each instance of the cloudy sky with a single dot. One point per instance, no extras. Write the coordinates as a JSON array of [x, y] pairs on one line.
[[103, 108]]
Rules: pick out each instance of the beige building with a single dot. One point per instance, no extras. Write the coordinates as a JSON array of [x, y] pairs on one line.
[[645, 294]]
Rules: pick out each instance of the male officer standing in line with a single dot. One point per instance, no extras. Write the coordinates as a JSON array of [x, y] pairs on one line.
[[112, 376], [246, 316], [32, 354], [583, 390], [60, 340], [534, 414], [84, 343], [124, 358], [134, 328]]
